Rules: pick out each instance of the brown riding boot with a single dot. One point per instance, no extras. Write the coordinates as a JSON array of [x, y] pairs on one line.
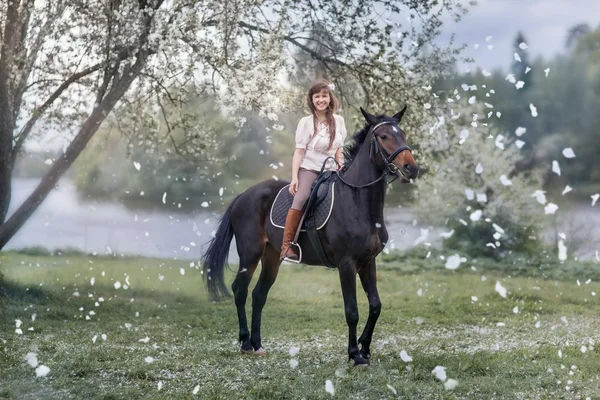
[[291, 226]]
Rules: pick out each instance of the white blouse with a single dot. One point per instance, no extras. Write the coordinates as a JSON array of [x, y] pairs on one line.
[[316, 144]]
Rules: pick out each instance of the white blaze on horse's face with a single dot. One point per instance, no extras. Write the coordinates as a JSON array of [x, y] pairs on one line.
[[321, 100]]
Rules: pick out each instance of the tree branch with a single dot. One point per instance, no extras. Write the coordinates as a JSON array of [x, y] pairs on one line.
[[40, 111], [296, 43]]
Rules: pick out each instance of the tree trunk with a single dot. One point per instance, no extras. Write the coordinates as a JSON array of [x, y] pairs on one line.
[[62, 164], [5, 165]]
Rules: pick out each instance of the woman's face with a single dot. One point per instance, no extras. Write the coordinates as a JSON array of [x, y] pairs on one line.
[[321, 100]]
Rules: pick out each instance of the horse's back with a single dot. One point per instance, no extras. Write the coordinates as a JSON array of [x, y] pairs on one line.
[[253, 204]]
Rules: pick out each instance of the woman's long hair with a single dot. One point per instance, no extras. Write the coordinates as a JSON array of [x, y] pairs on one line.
[[316, 87]]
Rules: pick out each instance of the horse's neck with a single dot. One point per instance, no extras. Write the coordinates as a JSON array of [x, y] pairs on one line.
[[363, 171]]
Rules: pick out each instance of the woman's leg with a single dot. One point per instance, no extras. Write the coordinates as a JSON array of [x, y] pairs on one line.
[[292, 220], [305, 181]]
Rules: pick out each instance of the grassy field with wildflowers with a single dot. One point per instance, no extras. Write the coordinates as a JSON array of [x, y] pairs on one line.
[[113, 327]]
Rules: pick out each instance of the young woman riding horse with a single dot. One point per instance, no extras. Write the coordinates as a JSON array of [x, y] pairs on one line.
[[318, 136], [353, 236]]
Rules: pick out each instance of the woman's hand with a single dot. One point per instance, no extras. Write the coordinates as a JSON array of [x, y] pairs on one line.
[[294, 186]]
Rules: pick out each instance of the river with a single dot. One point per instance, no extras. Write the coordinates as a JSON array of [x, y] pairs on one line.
[[63, 221]]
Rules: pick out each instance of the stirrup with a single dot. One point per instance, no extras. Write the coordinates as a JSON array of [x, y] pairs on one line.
[[299, 260]]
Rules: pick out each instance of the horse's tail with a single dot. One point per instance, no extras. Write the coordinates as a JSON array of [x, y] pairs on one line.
[[215, 258]]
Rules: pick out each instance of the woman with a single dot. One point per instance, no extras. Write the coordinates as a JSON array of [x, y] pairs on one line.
[[318, 136]]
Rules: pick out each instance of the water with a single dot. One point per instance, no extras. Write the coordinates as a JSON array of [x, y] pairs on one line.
[[64, 221]]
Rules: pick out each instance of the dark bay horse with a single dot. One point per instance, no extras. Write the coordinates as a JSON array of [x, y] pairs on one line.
[[354, 235]]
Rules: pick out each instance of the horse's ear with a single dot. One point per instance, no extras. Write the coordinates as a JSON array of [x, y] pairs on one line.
[[371, 120], [400, 114]]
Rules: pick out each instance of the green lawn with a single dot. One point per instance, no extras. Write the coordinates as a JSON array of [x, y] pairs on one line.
[[545, 348]]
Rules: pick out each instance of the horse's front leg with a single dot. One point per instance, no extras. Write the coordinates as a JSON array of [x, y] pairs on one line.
[[347, 271], [368, 278]]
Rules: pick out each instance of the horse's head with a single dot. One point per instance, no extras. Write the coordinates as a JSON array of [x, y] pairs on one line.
[[389, 148]]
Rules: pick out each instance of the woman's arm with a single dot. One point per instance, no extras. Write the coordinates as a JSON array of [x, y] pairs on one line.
[[339, 156], [296, 161]]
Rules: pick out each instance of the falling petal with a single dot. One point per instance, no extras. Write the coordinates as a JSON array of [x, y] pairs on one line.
[[567, 189], [479, 168], [520, 131], [476, 216], [550, 208], [505, 181], [534, 112], [595, 198], [546, 71], [568, 153], [562, 251], [523, 46], [555, 167], [517, 57], [540, 196], [137, 165]]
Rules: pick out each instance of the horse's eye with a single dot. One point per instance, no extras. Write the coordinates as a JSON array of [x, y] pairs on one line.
[[383, 137]]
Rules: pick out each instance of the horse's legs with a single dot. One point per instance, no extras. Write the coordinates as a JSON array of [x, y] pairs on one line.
[[347, 271], [368, 278], [270, 267], [248, 264]]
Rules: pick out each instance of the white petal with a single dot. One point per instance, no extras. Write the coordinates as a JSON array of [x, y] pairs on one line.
[[540, 196], [476, 216], [520, 131], [42, 371], [534, 112], [555, 167], [505, 181], [32, 359], [550, 208], [329, 387], [567, 189], [479, 168], [439, 372], [405, 357], [470, 194], [595, 198], [500, 289], [568, 153], [562, 251], [450, 384]]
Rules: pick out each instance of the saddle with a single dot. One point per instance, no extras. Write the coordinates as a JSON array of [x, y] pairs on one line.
[[319, 203], [317, 211]]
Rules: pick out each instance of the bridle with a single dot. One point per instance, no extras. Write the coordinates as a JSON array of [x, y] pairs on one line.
[[390, 168]]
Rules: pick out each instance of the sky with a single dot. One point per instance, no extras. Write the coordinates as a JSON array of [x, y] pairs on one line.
[[543, 22]]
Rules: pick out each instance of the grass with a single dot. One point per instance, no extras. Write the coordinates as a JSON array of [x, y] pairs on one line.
[[491, 350]]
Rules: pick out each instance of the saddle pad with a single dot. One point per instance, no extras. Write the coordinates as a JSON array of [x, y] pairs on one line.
[[284, 200]]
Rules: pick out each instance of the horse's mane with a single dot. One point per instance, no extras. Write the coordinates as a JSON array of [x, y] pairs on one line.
[[351, 149]]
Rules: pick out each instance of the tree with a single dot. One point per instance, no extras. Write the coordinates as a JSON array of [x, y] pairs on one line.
[[65, 65]]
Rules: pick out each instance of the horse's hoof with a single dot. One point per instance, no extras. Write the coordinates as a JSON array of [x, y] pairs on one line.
[[244, 351], [260, 352], [361, 362]]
